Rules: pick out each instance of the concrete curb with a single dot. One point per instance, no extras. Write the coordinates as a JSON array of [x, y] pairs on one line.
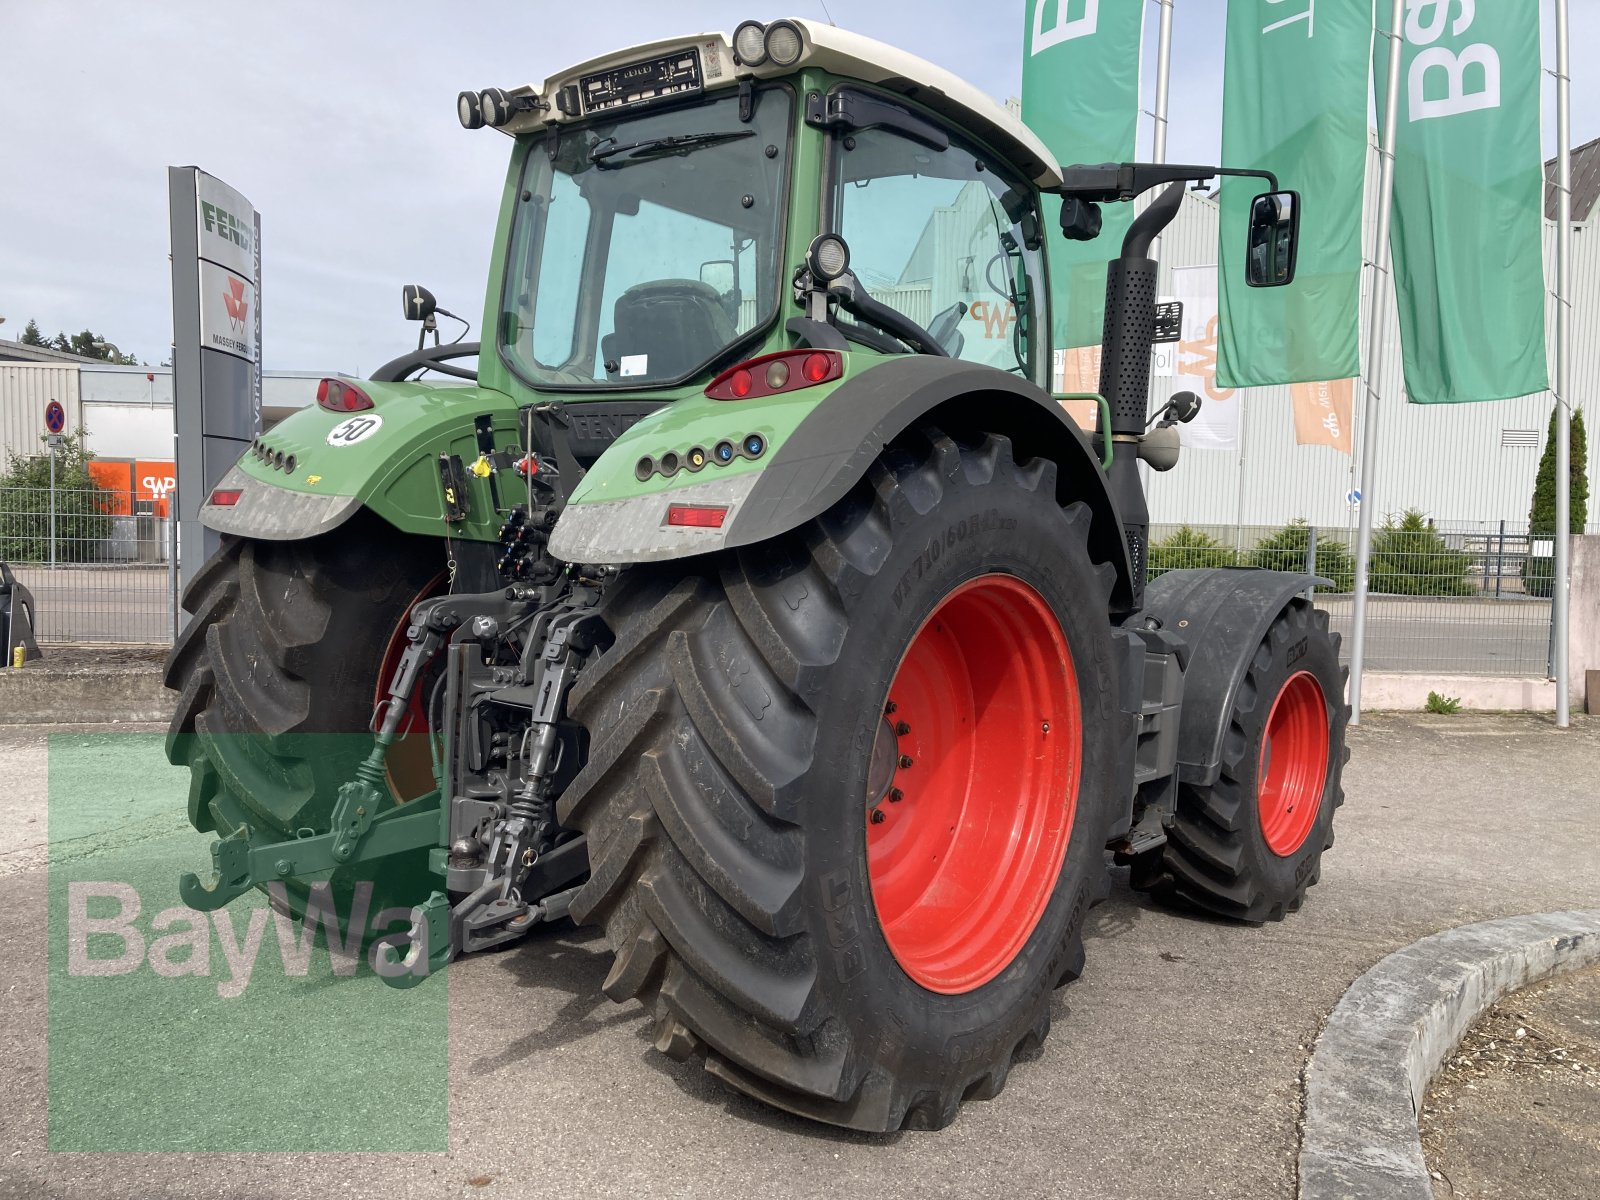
[[40, 695], [1391, 1031]]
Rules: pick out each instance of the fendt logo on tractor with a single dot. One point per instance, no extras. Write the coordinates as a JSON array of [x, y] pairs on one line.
[[753, 598]]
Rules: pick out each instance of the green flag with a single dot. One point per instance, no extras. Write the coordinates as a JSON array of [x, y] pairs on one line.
[[1080, 94], [1468, 196], [1294, 102]]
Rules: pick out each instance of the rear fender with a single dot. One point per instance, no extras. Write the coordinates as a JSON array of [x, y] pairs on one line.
[[813, 465], [1221, 615], [385, 458]]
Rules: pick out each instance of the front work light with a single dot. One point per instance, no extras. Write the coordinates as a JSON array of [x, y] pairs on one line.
[[470, 110], [784, 43], [749, 44]]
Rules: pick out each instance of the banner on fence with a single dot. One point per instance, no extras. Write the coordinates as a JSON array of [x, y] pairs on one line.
[[1080, 94], [1294, 102], [1217, 425], [1468, 197], [1322, 413]]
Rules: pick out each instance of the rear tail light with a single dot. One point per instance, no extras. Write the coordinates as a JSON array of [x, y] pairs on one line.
[[336, 395], [226, 497], [705, 517], [771, 374]]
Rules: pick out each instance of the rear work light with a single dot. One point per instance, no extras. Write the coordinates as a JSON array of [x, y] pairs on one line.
[[336, 395], [697, 517], [227, 497], [771, 374]]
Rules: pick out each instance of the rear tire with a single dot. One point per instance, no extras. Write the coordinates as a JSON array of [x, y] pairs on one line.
[[277, 673], [1249, 845], [733, 726]]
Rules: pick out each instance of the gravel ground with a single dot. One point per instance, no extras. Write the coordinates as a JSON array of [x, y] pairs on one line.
[[1173, 1069], [1514, 1114]]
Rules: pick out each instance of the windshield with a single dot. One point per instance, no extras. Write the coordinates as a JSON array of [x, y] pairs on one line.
[[649, 246]]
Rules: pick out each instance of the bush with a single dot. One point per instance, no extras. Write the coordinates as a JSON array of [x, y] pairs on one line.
[[1409, 558], [83, 507], [1189, 548], [1286, 551]]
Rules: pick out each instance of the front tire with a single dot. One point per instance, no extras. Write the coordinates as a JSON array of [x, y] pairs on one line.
[[756, 909], [1249, 845]]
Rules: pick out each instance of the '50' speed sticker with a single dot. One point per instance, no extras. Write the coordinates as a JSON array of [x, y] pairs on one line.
[[356, 429]]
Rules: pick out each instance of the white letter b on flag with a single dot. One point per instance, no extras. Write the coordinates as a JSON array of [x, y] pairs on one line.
[[1456, 99]]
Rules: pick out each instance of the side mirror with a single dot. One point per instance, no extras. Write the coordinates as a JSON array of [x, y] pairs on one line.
[[418, 301], [719, 274], [1274, 238]]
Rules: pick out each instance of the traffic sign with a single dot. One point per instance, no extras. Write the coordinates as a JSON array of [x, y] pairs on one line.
[[1353, 498], [55, 417], [56, 441]]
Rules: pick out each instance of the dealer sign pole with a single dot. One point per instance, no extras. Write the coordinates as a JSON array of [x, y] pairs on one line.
[[216, 344]]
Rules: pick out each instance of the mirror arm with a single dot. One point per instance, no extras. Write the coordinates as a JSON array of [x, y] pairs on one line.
[[1123, 181]]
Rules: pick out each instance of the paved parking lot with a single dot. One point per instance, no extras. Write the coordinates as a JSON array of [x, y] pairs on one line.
[[1173, 1069]]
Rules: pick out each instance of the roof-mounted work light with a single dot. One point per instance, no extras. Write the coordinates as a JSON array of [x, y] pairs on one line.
[[749, 44]]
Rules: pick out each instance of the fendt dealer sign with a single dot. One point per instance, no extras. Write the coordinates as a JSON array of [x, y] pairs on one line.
[[216, 341]]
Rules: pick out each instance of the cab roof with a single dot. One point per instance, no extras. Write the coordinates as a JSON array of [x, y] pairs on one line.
[[837, 51]]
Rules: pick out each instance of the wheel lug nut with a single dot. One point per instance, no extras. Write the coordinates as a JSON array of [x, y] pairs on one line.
[[905, 760], [896, 795], [877, 816], [890, 707], [901, 729]]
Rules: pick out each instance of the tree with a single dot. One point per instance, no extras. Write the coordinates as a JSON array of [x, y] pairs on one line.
[[1189, 548], [83, 508], [82, 344], [1410, 558], [1286, 550], [1538, 572]]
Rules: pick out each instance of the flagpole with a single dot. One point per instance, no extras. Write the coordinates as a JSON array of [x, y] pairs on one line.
[[1158, 142], [1381, 286], [1559, 609]]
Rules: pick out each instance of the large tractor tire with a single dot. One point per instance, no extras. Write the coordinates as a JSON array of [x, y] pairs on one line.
[[277, 674], [1249, 845], [848, 792]]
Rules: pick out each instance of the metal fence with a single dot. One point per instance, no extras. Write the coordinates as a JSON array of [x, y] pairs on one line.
[[97, 562], [1444, 598]]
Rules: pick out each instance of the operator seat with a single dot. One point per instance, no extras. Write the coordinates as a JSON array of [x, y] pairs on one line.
[[676, 323]]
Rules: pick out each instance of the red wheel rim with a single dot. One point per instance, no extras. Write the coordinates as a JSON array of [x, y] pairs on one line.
[[410, 762], [983, 733], [1294, 764]]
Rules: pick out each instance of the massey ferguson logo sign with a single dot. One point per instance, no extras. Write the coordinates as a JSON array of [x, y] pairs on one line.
[[238, 307]]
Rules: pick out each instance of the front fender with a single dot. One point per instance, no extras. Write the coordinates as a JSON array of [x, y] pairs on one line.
[[1221, 614], [385, 458]]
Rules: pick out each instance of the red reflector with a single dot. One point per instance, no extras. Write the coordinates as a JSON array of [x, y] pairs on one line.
[[336, 395], [776, 374], [698, 518], [226, 496]]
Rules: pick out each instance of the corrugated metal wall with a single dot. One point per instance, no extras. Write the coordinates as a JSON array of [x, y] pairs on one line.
[[25, 389], [1447, 460]]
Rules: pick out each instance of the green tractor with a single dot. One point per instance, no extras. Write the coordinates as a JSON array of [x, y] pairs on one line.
[[754, 598]]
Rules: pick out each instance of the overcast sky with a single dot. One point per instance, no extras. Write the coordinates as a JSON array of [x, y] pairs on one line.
[[337, 120]]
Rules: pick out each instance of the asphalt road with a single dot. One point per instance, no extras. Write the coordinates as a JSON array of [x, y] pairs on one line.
[[1173, 1070], [1450, 635], [101, 604]]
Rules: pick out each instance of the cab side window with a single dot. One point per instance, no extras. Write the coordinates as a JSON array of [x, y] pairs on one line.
[[946, 239]]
